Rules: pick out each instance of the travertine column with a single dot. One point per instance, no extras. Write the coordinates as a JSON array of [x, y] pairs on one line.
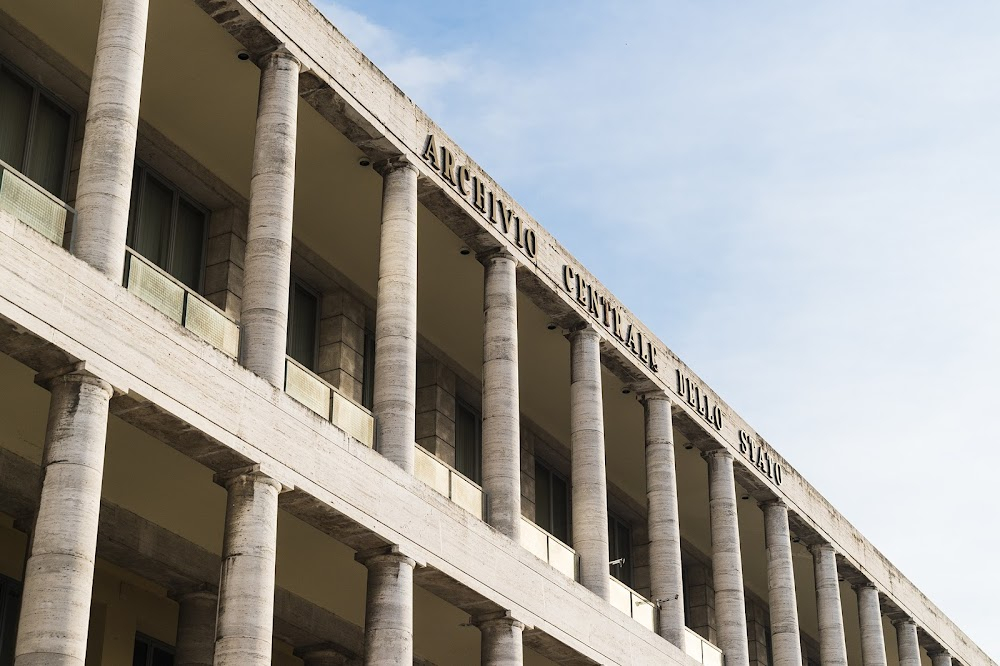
[[832, 638], [906, 641], [502, 643], [940, 658], [501, 406], [246, 586], [665, 571], [267, 264], [785, 639], [589, 478], [321, 656], [870, 616], [195, 645], [104, 190], [727, 564], [59, 574], [388, 608], [395, 398]]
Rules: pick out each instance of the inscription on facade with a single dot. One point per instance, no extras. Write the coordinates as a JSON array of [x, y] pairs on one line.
[[473, 186], [610, 315], [759, 457], [692, 393]]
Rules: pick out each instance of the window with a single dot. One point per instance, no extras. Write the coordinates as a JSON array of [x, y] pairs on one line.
[[368, 371], [35, 131], [620, 547], [303, 323], [167, 228], [151, 652], [468, 441], [552, 502], [10, 607]]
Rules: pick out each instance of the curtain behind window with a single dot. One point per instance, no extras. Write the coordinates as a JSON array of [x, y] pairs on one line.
[[49, 139], [15, 111]]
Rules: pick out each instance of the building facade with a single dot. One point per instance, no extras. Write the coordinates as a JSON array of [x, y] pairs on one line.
[[287, 378]]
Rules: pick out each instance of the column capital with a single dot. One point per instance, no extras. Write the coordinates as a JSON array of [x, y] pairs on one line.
[[939, 653], [280, 52], [497, 617], [382, 553], [74, 373], [254, 472], [865, 584], [717, 453], [823, 547], [324, 653], [899, 621], [492, 253], [775, 502], [653, 396], [393, 164], [583, 329]]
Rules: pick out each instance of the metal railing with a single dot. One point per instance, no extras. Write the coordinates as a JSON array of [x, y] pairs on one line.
[[321, 397], [701, 650], [549, 549], [29, 202], [448, 481], [633, 604], [171, 297]]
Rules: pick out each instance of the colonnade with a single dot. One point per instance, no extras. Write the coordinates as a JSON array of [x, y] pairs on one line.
[[235, 626]]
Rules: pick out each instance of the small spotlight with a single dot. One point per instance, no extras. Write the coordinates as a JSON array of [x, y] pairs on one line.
[[242, 55], [745, 497], [689, 446], [551, 326], [364, 162], [464, 251], [626, 390], [796, 539]]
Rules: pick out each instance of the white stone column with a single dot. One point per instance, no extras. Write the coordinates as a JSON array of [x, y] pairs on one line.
[[502, 643], [940, 658], [104, 190], [501, 406], [665, 570], [267, 264], [832, 637], [785, 639], [589, 476], [727, 563], [195, 644], [321, 656], [246, 585], [870, 617], [395, 399], [388, 608], [59, 574], [907, 642]]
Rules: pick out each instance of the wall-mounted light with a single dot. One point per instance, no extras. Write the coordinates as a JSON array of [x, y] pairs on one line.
[[464, 251], [364, 162], [626, 390], [551, 326], [242, 55], [689, 446], [745, 497]]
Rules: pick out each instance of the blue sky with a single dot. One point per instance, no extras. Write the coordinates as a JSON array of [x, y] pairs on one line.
[[801, 199]]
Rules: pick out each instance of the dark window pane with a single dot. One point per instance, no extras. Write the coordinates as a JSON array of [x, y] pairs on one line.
[[560, 509], [47, 158], [467, 443], [368, 378], [15, 109], [302, 326], [140, 654], [620, 542], [153, 223], [543, 498], [162, 658], [10, 598], [189, 239]]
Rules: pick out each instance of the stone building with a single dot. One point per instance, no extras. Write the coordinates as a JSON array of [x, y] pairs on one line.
[[285, 377]]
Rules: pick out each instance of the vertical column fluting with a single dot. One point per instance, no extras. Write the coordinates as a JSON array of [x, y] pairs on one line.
[[395, 398], [388, 608], [665, 570], [589, 476], [832, 637], [59, 574], [195, 644], [501, 406], [940, 658], [104, 191], [907, 642], [246, 581], [727, 563], [870, 618], [267, 263], [784, 612], [502, 643]]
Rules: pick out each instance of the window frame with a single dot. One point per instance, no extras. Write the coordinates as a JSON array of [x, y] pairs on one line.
[[140, 171], [38, 90], [553, 473], [368, 368], [293, 282], [477, 476]]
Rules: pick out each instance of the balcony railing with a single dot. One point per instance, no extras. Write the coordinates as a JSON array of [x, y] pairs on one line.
[[322, 398], [630, 602], [549, 549], [168, 295], [449, 482], [31, 204], [701, 650]]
